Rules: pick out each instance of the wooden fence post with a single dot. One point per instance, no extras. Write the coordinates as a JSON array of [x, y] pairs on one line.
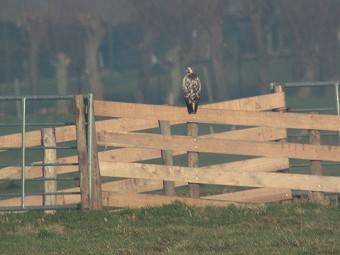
[[82, 150], [50, 157], [279, 88], [315, 166], [194, 188], [96, 192], [168, 186]]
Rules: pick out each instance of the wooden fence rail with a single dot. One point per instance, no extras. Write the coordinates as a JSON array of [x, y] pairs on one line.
[[68, 133], [214, 145], [219, 116], [220, 177], [259, 140]]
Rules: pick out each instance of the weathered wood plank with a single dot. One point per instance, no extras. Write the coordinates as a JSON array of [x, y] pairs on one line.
[[218, 176], [246, 118], [50, 157], [213, 145], [135, 185], [259, 195], [256, 103], [82, 150], [168, 186], [118, 200], [96, 187], [250, 165], [316, 167], [68, 133], [38, 200], [194, 188], [142, 200], [138, 154]]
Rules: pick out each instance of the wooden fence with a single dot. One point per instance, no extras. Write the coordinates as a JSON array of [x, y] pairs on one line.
[[264, 138]]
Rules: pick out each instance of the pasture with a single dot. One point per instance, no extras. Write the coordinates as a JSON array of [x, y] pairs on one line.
[[291, 228]]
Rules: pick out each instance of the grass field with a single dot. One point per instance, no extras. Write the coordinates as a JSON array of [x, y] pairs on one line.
[[295, 228]]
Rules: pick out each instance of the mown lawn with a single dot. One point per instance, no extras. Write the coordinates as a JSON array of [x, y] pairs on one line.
[[296, 228]]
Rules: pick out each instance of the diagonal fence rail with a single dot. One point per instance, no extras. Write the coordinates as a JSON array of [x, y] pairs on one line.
[[122, 150]]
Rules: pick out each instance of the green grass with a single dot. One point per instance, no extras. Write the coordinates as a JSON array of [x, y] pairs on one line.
[[297, 228]]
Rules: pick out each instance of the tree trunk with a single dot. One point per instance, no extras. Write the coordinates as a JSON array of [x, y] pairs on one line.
[[310, 73], [36, 30], [145, 70], [91, 56], [261, 45], [218, 67], [173, 56], [95, 31], [62, 63]]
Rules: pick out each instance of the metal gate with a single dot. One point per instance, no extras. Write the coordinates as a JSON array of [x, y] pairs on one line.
[[22, 163]]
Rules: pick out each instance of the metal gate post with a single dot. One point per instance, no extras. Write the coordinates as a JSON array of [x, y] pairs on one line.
[[23, 149], [336, 86]]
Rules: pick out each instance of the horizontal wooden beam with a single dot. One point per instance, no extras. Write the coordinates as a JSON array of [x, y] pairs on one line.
[[68, 133], [142, 200], [37, 200], [232, 117], [241, 166], [219, 176], [248, 134], [214, 145], [119, 200], [250, 165], [259, 195], [256, 103], [139, 154]]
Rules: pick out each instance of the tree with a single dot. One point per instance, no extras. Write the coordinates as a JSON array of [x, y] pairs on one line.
[[36, 28], [95, 30], [312, 26], [258, 12]]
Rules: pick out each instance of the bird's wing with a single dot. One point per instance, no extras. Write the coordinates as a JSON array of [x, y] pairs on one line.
[[186, 85], [195, 89]]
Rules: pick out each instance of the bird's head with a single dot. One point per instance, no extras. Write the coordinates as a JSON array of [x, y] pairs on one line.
[[189, 70]]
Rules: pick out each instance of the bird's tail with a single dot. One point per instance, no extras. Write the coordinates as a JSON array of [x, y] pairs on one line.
[[194, 107], [189, 106]]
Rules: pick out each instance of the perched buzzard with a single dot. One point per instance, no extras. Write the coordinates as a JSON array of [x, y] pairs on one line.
[[192, 90]]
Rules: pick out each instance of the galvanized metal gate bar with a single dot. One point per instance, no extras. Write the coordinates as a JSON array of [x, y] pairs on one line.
[[23, 144]]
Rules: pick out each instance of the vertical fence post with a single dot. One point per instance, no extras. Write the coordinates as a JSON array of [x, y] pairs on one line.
[[315, 165], [50, 157], [279, 88], [194, 188], [168, 186], [95, 190], [82, 150]]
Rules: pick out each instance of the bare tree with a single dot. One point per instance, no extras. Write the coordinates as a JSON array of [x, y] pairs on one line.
[[95, 31], [36, 28], [259, 12], [206, 23]]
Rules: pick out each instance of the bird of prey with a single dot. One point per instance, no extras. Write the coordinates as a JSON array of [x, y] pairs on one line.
[[192, 90]]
